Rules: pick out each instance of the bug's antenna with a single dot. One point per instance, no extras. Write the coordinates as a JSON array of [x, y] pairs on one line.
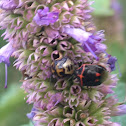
[[70, 78]]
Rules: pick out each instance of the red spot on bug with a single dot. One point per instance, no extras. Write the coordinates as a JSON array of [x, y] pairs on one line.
[[98, 74], [96, 80]]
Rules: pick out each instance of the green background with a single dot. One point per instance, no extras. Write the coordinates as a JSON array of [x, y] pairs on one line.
[[13, 107]]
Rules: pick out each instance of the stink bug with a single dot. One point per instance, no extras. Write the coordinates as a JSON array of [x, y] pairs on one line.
[[62, 67], [91, 75]]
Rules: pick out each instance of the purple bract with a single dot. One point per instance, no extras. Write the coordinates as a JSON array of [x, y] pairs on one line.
[[44, 17], [8, 4]]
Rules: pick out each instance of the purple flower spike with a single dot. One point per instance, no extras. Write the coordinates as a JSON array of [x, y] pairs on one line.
[[8, 4], [111, 61], [5, 53], [44, 17]]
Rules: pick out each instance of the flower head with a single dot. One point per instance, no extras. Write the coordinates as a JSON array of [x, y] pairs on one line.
[[5, 53], [115, 5], [90, 43], [111, 61], [119, 110], [44, 17], [114, 124], [31, 114]]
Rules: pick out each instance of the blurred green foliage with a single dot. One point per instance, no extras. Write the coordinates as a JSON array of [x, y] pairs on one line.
[[13, 107], [30, 124], [120, 92], [102, 8]]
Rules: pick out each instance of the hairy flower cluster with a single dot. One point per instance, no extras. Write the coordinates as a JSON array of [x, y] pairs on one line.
[[40, 32]]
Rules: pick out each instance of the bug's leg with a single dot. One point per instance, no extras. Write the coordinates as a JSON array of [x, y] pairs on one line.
[[82, 60], [69, 78], [50, 80], [92, 62], [53, 79], [87, 87], [90, 88]]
